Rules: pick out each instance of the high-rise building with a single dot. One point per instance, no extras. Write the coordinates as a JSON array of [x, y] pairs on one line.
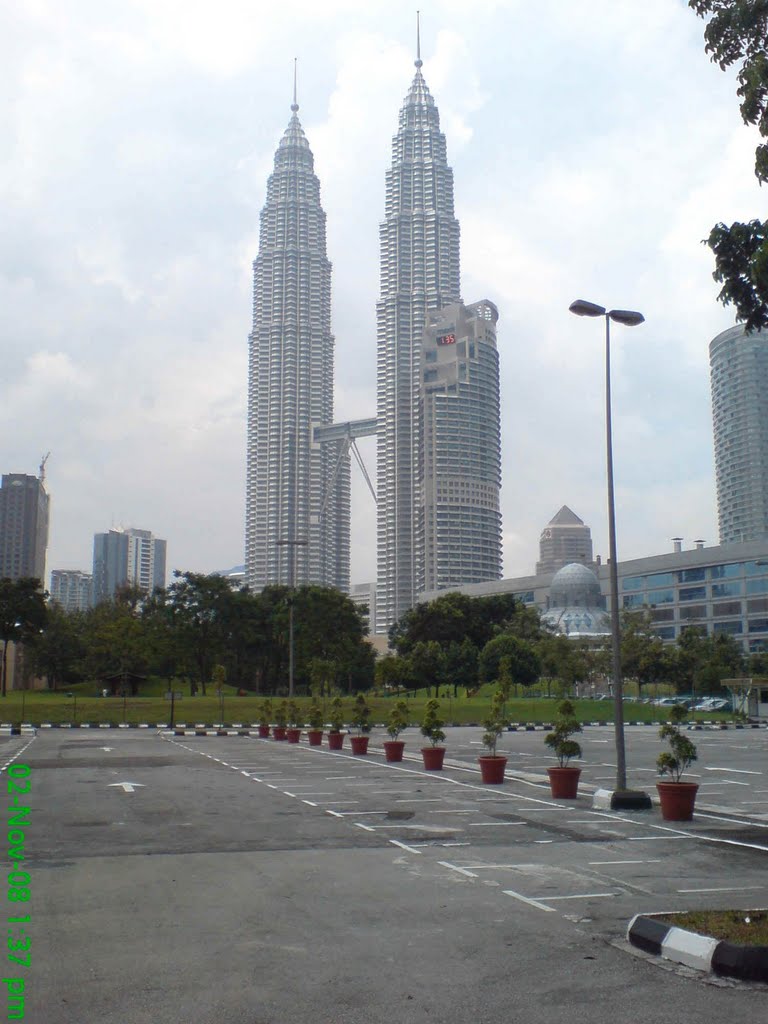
[[24, 510], [127, 558], [564, 540], [71, 589], [460, 467], [739, 377], [419, 252], [297, 502]]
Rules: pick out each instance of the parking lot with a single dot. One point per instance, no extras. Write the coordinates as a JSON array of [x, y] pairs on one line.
[[199, 877]]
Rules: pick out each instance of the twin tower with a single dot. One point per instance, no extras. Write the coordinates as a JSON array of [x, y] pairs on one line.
[[437, 422]]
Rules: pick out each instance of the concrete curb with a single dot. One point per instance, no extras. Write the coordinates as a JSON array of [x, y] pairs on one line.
[[746, 963]]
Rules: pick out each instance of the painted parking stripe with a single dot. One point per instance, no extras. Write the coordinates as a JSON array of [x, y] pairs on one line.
[[404, 846], [530, 902], [455, 867], [579, 896]]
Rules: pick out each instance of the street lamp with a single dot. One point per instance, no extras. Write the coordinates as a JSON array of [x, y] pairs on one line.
[[292, 544], [621, 798]]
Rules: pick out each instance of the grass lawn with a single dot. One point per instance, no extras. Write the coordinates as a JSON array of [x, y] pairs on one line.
[[741, 927], [80, 705]]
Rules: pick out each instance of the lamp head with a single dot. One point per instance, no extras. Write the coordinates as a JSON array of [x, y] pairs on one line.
[[628, 317], [583, 308]]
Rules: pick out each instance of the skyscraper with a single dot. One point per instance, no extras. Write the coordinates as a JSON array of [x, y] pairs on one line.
[[127, 558], [24, 508], [460, 466], [564, 540], [419, 253], [297, 501], [71, 589], [739, 378]]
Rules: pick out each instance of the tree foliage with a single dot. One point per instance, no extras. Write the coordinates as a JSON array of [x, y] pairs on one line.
[[23, 614], [737, 33]]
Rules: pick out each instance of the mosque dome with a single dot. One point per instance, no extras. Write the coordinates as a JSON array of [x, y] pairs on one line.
[[576, 603]]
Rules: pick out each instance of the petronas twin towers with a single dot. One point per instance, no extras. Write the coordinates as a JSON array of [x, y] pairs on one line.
[[437, 423]]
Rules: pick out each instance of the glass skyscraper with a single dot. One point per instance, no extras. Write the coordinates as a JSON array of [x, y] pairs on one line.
[[739, 377], [297, 501]]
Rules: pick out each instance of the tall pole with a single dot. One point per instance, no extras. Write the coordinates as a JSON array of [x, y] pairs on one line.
[[618, 689]]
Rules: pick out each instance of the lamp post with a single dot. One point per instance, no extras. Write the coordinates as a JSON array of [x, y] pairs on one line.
[[292, 544], [621, 798]]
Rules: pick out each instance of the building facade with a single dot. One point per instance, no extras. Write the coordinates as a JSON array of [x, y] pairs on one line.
[[297, 500], [123, 558], [721, 589], [419, 273], [24, 513], [459, 524], [564, 540], [739, 379], [71, 589]]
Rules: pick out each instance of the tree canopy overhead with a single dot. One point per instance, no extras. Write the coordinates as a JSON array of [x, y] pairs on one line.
[[737, 33]]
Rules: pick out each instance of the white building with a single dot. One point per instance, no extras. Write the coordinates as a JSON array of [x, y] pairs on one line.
[[71, 589], [127, 558]]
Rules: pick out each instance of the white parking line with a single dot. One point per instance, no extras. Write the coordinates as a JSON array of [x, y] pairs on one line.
[[727, 888], [359, 824], [579, 896], [525, 899], [738, 771], [597, 863], [454, 867], [489, 824], [403, 846]]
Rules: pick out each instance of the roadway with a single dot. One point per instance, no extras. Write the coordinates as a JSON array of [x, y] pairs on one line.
[[231, 879]]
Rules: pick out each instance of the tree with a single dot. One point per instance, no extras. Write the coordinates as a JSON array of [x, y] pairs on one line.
[[455, 617], [57, 651], [394, 672], [523, 665], [22, 615], [643, 656], [201, 606], [563, 659], [428, 665], [737, 32], [461, 665]]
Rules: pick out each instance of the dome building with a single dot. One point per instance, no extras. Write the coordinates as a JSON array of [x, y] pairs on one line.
[[576, 605]]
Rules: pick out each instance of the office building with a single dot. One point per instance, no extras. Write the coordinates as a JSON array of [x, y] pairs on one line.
[[127, 558], [564, 540], [71, 589], [24, 512], [297, 501], [419, 274], [459, 520], [739, 378]]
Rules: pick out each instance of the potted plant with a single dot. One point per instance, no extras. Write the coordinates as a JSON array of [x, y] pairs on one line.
[[398, 720], [432, 728], [564, 779], [293, 732], [315, 731], [335, 735], [360, 721], [265, 717], [492, 765], [677, 798], [278, 729]]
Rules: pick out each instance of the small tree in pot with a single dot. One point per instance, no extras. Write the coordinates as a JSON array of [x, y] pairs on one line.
[[492, 765], [278, 730], [360, 721], [564, 779], [292, 714], [398, 720], [432, 728], [265, 717], [677, 798], [315, 731], [335, 735]]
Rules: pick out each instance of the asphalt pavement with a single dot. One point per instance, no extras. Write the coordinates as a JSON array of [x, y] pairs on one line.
[[230, 879]]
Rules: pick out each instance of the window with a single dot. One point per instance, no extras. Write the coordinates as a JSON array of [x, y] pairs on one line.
[[722, 572], [693, 611], [726, 589], [732, 628], [633, 583], [728, 608], [634, 600], [693, 594], [661, 596], [660, 579], [757, 586], [690, 575], [758, 625], [665, 632]]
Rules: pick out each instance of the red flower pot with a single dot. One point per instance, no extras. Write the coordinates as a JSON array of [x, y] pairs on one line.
[[278, 731], [293, 735], [564, 782], [263, 732], [359, 744], [433, 758], [492, 769], [677, 800], [315, 737], [335, 740], [393, 749]]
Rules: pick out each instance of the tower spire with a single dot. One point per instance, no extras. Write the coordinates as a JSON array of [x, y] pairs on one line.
[[294, 105], [418, 62]]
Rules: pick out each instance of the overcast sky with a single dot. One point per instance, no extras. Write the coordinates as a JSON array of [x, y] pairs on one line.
[[593, 145]]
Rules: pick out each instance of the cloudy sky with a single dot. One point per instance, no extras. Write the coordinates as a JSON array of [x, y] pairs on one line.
[[593, 146]]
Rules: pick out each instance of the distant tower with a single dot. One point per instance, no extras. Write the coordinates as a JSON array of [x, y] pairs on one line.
[[739, 377], [419, 264], [71, 589], [297, 502], [459, 517], [564, 540], [122, 558], [24, 512]]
